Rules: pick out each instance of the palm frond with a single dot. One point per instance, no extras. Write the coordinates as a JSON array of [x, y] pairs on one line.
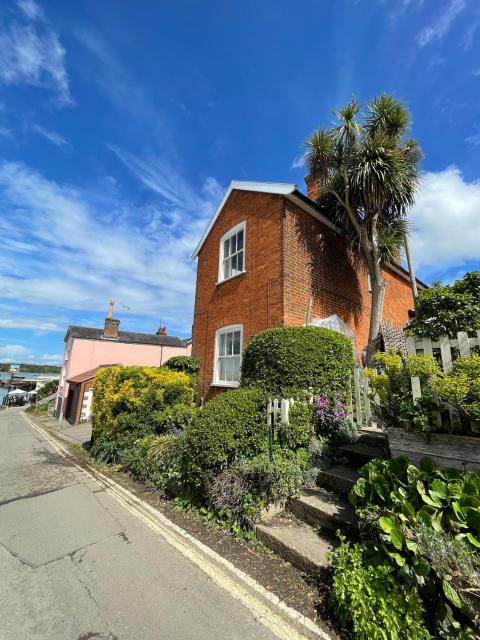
[[319, 152], [348, 129], [388, 116], [391, 240]]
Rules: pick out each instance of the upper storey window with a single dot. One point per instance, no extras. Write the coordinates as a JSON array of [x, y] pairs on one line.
[[232, 253]]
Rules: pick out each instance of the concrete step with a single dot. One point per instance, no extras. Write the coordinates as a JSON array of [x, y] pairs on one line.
[[339, 479], [359, 453], [321, 508], [373, 436], [296, 543]]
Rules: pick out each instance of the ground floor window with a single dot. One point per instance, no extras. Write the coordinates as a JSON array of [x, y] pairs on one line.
[[228, 355]]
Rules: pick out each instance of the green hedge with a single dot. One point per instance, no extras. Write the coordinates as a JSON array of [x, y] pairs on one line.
[[230, 427], [286, 359], [130, 401], [185, 364]]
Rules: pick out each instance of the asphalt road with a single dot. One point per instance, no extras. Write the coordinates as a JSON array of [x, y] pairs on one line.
[[75, 564]]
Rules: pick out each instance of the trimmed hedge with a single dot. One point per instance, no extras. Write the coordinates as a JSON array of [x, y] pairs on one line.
[[285, 359], [184, 364], [230, 427], [126, 400]]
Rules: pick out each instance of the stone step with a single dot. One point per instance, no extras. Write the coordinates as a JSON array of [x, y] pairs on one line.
[[325, 509], [373, 436], [339, 479], [296, 543], [359, 453]]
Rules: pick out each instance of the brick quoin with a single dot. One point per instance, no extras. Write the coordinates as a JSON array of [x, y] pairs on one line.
[[291, 257]]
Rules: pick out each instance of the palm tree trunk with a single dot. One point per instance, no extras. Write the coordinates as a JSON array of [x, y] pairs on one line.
[[376, 313]]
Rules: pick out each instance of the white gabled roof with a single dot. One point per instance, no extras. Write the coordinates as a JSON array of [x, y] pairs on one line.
[[278, 188]]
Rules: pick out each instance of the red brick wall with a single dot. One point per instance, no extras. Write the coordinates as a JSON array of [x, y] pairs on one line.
[[253, 299], [277, 285], [317, 266]]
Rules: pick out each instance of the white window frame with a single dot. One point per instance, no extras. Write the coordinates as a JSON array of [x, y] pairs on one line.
[[239, 227], [216, 363]]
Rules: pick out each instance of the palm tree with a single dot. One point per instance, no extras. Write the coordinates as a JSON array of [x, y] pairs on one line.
[[367, 174]]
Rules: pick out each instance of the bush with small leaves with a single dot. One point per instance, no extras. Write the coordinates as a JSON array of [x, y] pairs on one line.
[[230, 427], [284, 360]]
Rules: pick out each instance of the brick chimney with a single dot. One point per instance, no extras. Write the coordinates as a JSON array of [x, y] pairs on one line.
[[313, 187], [110, 331], [162, 331]]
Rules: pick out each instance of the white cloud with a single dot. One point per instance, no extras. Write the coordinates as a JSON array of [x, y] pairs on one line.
[[474, 139], [31, 53], [32, 324], [440, 27], [48, 358], [470, 35], [12, 352], [445, 221], [31, 9], [298, 162], [76, 249], [51, 136]]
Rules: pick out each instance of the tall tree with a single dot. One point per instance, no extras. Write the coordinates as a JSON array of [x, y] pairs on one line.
[[367, 173]]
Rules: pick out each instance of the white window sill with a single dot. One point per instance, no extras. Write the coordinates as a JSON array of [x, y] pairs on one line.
[[237, 275], [232, 385]]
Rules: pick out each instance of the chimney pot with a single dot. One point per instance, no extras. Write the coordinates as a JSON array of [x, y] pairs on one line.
[[313, 186], [110, 330], [162, 331]]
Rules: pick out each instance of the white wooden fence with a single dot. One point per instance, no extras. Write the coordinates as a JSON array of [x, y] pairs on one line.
[[359, 401]]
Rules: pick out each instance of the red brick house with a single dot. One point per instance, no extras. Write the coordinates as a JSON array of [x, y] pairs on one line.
[[270, 258]]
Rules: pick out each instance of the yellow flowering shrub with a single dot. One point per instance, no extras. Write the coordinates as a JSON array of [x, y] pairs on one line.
[[131, 398]]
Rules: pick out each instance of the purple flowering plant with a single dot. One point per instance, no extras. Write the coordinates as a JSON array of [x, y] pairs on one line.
[[331, 415]]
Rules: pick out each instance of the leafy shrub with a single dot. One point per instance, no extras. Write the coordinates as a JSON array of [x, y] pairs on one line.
[[460, 387], [285, 359], [455, 563], [299, 430], [126, 398], [229, 427], [393, 386], [47, 389], [449, 309], [135, 457], [165, 461], [395, 498], [242, 491], [184, 364], [368, 599], [333, 423], [173, 418]]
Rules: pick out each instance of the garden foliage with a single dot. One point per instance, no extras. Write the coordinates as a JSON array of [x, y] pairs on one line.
[[395, 501], [449, 309], [47, 389], [284, 360], [459, 389], [229, 427], [132, 402], [368, 598], [184, 364]]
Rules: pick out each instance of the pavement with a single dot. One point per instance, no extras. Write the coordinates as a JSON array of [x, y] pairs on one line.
[[77, 434], [76, 563]]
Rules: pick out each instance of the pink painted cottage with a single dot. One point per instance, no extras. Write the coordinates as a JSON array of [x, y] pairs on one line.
[[87, 349]]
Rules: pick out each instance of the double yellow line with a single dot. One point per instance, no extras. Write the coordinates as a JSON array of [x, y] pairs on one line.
[[286, 624]]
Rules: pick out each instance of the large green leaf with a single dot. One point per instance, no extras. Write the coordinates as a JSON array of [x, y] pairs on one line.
[[397, 538], [426, 465], [473, 519], [421, 567], [425, 497], [451, 594], [473, 540], [387, 524]]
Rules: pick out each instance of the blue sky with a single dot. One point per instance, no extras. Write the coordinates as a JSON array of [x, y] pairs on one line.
[[121, 124]]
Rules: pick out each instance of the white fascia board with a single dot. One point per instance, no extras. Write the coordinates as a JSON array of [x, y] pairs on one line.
[[278, 188]]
